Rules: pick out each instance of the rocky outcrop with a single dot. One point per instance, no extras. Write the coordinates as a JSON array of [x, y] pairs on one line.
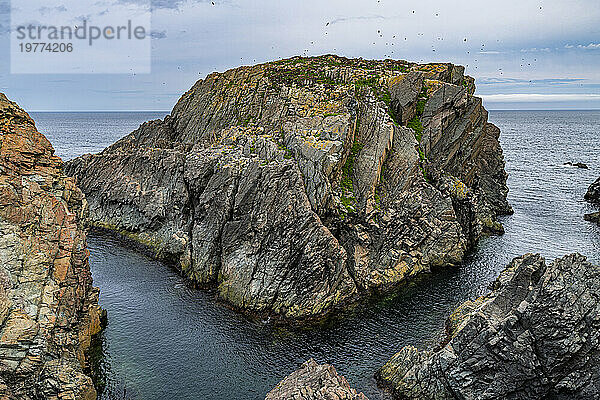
[[314, 382], [536, 335], [593, 196], [298, 185], [577, 164], [48, 307], [593, 193]]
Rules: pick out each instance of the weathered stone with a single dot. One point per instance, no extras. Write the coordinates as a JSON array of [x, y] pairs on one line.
[[593, 193], [536, 335], [593, 217], [295, 186], [314, 382], [48, 307]]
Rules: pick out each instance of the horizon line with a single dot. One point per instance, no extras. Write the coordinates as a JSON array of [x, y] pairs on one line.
[[98, 111]]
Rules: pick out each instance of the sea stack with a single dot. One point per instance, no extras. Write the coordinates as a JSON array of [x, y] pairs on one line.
[[48, 307], [296, 186]]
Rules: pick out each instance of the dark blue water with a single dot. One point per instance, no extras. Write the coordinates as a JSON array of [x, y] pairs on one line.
[[165, 340]]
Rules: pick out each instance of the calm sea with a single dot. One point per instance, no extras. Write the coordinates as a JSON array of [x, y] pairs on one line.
[[166, 340]]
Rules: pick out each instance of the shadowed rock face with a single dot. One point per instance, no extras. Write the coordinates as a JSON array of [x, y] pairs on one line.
[[314, 382], [593, 193], [295, 186], [536, 335], [48, 307], [593, 196]]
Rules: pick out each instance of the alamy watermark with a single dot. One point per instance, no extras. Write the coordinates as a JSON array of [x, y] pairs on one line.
[[80, 36]]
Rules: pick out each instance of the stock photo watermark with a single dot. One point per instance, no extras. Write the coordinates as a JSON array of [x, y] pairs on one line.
[[80, 36]]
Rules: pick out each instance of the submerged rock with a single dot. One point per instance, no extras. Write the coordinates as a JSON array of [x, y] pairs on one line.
[[296, 186], [536, 335], [48, 307], [314, 382], [578, 165]]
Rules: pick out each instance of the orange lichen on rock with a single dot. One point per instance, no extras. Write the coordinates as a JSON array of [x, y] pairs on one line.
[[48, 306]]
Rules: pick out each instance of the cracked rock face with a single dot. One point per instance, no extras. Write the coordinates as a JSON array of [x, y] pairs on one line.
[[48, 307], [298, 185], [314, 382], [536, 335]]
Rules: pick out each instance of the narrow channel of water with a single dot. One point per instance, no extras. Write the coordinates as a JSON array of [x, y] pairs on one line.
[[165, 340]]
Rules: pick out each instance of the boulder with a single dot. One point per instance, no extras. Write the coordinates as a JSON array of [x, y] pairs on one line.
[[314, 382]]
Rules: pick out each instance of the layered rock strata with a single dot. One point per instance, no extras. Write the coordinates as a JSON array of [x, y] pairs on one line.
[[296, 186], [48, 307], [535, 336], [314, 382]]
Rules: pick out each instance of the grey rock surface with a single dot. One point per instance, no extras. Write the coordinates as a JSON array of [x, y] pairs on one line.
[[297, 186], [536, 335], [593, 193], [314, 382]]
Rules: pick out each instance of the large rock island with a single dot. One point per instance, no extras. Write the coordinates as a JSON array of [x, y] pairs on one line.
[[535, 336], [296, 186], [48, 307]]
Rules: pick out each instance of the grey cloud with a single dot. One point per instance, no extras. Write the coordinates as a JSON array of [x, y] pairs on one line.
[[49, 10], [164, 4], [550, 81], [357, 18]]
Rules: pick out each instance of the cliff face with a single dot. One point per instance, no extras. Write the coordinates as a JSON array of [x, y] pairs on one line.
[[48, 307], [535, 336], [296, 185]]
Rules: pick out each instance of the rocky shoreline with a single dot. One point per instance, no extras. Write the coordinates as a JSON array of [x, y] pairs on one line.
[[297, 186], [536, 335], [48, 307]]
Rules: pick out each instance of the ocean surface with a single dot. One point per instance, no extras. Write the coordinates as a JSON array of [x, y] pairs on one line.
[[166, 340]]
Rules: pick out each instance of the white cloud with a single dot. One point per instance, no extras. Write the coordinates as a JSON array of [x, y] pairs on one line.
[[590, 46], [538, 98]]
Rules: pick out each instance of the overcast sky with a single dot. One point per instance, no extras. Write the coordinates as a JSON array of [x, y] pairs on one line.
[[525, 54]]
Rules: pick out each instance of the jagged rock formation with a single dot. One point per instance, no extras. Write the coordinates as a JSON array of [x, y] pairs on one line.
[[314, 382], [593, 196], [535, 336], [296, 185], [48, 307], [593, 193]]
